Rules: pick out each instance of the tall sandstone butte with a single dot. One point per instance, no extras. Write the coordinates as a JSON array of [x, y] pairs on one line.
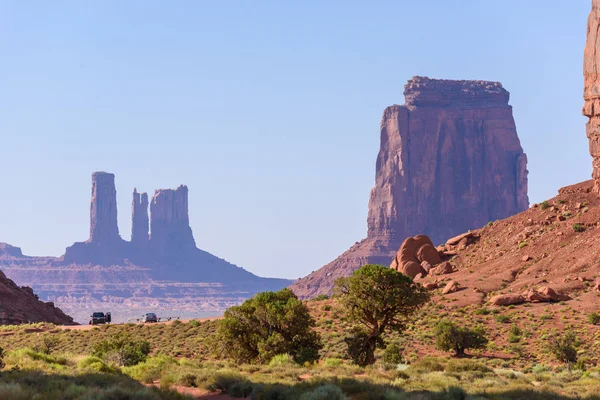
[[591, 92], [450, 160], [170, 222], [103, 209]]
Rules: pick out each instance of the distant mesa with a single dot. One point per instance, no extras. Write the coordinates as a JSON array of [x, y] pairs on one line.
[[450, 160], [160, 262]]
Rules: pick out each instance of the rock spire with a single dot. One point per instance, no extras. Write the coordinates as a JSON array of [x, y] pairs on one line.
[[170, 222], [103, 209], [140, 224]]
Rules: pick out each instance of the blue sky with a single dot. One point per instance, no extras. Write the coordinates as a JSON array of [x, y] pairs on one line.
[[268, 110]]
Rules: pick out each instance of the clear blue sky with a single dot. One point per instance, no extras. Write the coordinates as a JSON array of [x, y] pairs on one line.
[[268, 110]]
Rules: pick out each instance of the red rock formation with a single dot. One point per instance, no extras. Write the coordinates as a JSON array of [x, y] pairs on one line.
[[103, 209], [450, 160], [591, 93], [20, 305], [140, 224], [170, 222]]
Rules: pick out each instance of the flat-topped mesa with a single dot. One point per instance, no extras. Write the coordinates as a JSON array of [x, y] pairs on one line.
[[591, 92], [103, 209], [426, 92], [446, 170], [140, 223], [170, 222]]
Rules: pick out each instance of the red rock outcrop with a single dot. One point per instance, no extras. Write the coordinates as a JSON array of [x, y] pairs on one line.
[[450, 160], [591, 93], [20, 305], [170, 222], [140, 223]]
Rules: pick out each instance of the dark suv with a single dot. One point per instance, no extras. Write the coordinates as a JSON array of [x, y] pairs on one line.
[[98, 318], [149, 318]]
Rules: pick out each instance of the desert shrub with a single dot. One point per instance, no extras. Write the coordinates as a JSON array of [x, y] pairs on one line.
[[544, 205], [94, 365], [321, 297], [195, 324], [325, 392], [594, 318], [150, 370], [564, 348], [282, 359], [122, 350], [514, 334], [227, 381], [333, 362], [49, 344], [454, 366], [578, 227], [269, 324], [14, 391], [450, 337], [502, 318], [392, 354], [428, 364], [378, 299]]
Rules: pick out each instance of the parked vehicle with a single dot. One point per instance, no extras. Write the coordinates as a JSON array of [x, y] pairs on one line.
[[149, 318], [98, 318]]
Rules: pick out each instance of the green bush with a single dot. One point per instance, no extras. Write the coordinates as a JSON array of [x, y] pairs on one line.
[[95, 365], [227, 381], [195, 324], [268, 324], [333, 362], [150, 370], [578, 228], [564, 347], [282, 359], [545, 205], [393, 354], [450, 337], [122, 350], [502, 318], [594, 318], [325, 392], [428, 364], [455, 366]]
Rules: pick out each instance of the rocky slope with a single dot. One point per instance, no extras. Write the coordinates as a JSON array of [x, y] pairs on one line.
[[450, 160], [20, 305], [161, 260], [555, 245]]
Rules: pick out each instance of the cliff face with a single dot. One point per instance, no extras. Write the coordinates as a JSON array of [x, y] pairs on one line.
[[591, 92], [450, 160]]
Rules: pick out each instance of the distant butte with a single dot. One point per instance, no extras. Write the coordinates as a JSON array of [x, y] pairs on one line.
[[450, 160]]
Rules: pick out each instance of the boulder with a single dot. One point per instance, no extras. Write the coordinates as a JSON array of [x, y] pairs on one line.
[[507, 299], [428, 253], [450, 287], [426, 266], [457, 239], [431, 285], [412, 269], [442, 269], [552, 294]]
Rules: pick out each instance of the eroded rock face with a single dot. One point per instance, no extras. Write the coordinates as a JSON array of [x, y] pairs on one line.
[[140, 223], [591, 93], [170, 222], [449, 161]]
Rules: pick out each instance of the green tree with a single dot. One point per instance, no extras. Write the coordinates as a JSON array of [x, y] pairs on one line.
[[269, 324], [122, 350], [450, 337], [377, 299], [564, 348]]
